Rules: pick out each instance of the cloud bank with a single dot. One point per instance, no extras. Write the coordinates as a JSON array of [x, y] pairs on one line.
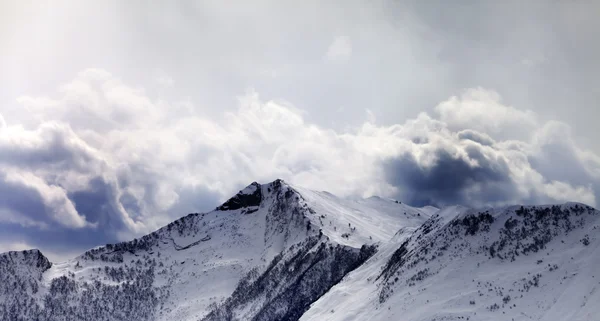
[[102, 160]]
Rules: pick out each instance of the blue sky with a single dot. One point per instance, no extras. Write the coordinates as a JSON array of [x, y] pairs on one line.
[[118, 117]]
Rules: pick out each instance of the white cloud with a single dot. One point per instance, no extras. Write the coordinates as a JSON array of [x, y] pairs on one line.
[[564, 192], [147, 160], [340, 49], [482, 110]]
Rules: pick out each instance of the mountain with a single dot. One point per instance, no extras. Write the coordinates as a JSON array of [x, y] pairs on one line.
[[281, 252], [511, 263], [201, 265]]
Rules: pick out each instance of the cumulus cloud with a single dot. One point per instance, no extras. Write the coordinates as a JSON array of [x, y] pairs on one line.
[[450, 178], [519, 162], [102, 160], [482, 110]]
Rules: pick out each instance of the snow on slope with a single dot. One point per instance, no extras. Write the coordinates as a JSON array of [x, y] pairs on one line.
[[345, 226], [20, 273], [191, 266], [352, 297], [201, 257], [278, 252], [364, 221], [513, 263]]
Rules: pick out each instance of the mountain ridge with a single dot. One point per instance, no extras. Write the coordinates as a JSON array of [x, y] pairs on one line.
[[280, 252], [513, 263]]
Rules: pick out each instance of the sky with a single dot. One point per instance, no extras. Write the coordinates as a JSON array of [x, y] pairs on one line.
[[117, 117]]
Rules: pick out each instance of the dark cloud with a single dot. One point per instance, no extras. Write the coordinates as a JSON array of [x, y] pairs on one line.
[[26, 218], [96, 203], [22, 204], [571, 169], [57, 240], [450, 179], [50, 180]]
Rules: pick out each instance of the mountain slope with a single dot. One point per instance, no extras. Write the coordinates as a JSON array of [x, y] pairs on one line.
[[514, 263], [279, 252], [363, 221], [192, 266], [21, 273]]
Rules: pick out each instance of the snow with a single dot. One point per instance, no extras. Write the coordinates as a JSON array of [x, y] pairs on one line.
[[446, 271], [203, 264], [250, 189], [462, 276], [366, 221], [204, 273], [353, 296]]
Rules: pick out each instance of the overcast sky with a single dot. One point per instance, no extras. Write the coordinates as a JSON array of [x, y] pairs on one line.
[[117, 117]]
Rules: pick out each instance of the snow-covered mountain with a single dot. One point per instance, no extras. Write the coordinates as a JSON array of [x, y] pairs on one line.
[[512, 263], [202, 264], [281, 252]]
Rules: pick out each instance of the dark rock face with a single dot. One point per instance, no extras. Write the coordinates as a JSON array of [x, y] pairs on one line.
[[242, 200], [292, 281]]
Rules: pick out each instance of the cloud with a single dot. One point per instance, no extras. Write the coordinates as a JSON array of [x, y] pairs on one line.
[[475, 136], [451, 179], [50, 146], [482, 110], [460, 163], [102, 161], [33, 193], [340, 49]]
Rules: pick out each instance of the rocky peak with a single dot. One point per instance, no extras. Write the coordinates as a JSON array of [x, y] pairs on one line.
[[255, 193], [249, 196]]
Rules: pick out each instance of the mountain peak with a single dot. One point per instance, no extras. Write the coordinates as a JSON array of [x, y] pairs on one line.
[[286, 252], [251, 195]]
